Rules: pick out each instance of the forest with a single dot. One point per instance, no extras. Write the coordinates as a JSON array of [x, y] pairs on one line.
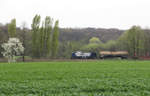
[[46, 39]]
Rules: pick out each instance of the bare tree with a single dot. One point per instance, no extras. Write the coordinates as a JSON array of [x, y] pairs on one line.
[[23, 36]]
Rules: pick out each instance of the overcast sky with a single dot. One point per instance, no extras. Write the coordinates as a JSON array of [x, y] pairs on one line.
[[79, 13]]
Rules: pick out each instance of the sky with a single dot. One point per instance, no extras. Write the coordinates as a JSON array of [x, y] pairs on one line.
[[120, 14]]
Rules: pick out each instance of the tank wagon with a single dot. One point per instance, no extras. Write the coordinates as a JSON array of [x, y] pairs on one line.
[[113, 54]]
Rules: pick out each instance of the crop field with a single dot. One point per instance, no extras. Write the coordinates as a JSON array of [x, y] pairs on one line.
[[93, 78]]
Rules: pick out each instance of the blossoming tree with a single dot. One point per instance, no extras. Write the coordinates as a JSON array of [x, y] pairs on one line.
[[12, 48]]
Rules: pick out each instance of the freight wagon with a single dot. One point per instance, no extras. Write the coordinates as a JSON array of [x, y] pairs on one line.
[[113, 54]]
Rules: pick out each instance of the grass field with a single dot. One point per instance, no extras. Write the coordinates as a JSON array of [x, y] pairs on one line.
[[96, 78]]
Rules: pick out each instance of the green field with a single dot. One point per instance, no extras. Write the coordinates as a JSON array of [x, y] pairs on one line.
[[96, 78]]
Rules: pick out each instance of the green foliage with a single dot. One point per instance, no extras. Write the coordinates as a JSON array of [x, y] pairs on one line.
[[67, 47], [110, 45], [94, 40], [134, 40], [44, 41], [94, 45], [12, 28], [91, 47], [35, 35], [41, 40], [55, 39], [97, 78], [45, 37]]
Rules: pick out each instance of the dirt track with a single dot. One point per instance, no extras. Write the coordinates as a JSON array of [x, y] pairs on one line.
[[63, 60]]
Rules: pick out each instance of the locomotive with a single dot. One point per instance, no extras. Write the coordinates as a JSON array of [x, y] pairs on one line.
[[83, 55]]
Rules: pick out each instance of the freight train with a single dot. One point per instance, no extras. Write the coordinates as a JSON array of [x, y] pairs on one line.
[[101, 55]]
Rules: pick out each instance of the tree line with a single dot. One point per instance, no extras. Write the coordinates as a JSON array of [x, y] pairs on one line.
[[135, 41], [45, 37], [39, 42], [46, 40]]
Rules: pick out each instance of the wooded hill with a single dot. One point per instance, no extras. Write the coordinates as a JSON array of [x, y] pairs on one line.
[[89, 39], [77, 34], [84, 34]]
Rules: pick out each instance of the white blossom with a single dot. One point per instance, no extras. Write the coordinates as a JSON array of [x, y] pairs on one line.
[[12, 48]]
